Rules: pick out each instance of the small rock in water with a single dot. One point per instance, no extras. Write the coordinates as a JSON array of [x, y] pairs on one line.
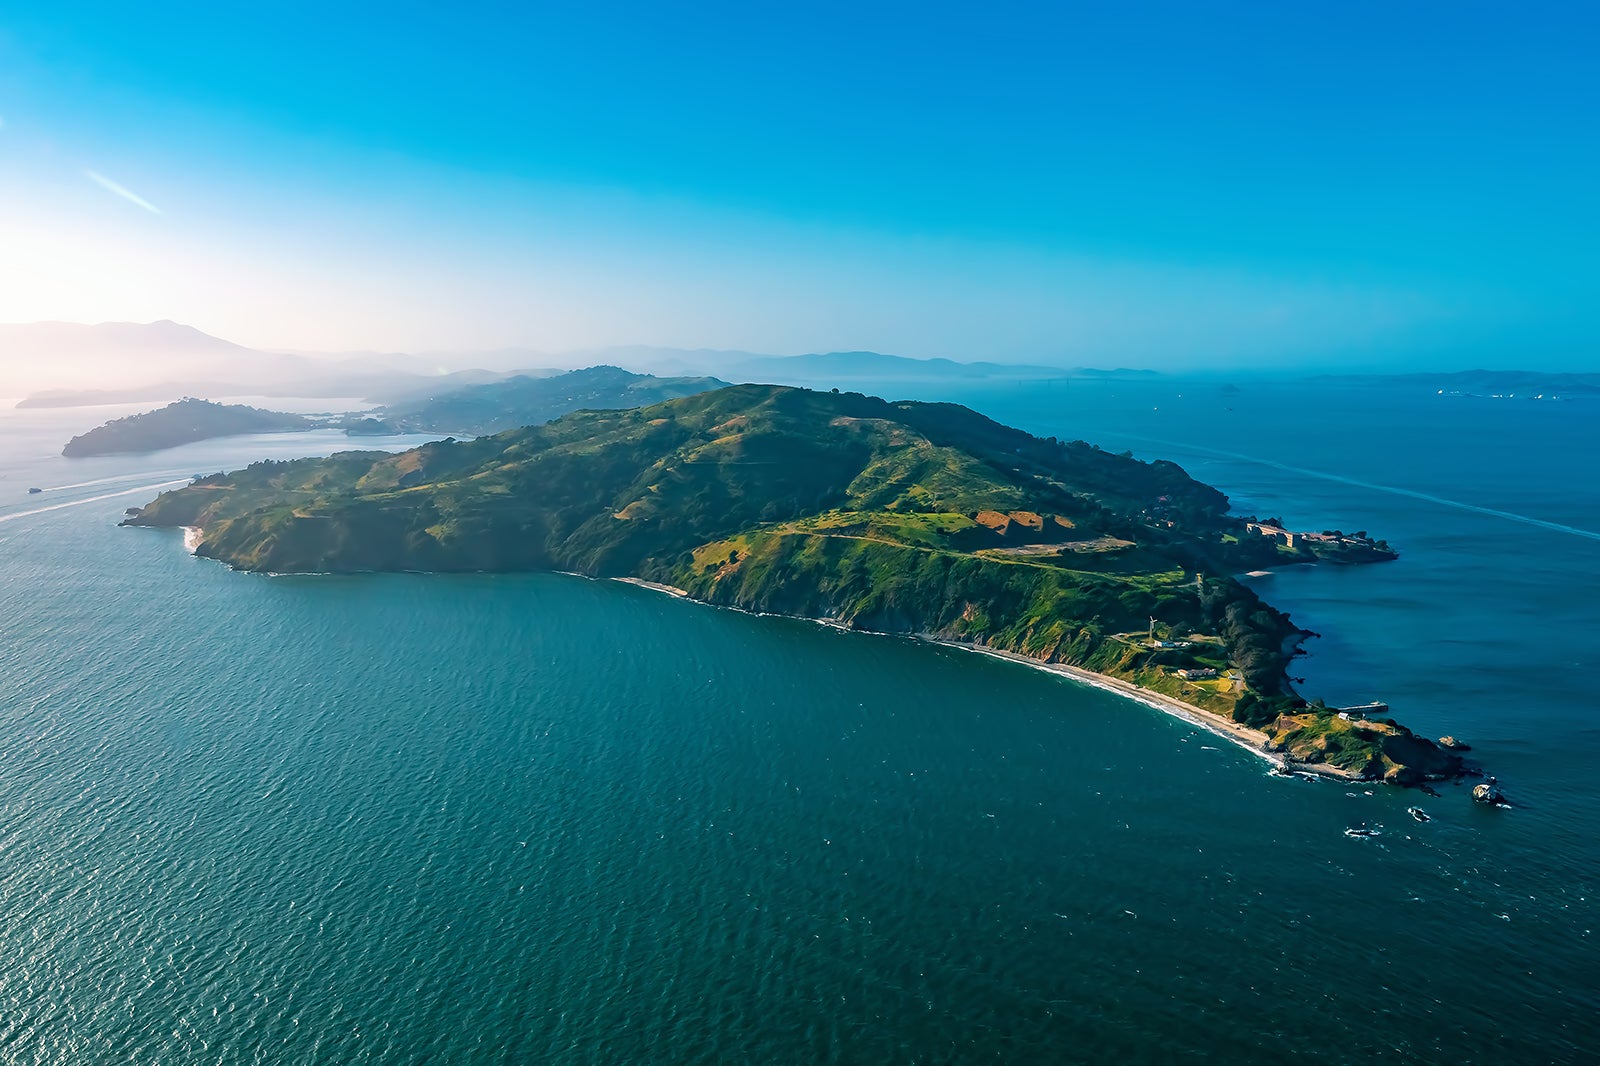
[[1489, 792]]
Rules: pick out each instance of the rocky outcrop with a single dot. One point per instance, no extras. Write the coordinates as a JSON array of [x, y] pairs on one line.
[[1452, 744], [1416, 759], [1371, 749], [1489, 792]]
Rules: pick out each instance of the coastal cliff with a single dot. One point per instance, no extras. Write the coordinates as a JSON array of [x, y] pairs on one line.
[[901, 517]]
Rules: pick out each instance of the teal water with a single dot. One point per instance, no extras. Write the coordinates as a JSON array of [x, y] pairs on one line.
[[417, 818]]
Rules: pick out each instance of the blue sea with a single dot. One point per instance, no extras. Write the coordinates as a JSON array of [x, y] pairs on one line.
[[536, 818]]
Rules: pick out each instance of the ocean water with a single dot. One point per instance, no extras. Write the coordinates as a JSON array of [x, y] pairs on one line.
[[534, 818]]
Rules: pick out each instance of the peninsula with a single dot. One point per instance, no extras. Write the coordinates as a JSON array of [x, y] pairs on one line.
[[924, 519]]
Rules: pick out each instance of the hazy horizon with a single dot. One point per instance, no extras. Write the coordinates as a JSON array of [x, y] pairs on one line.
[[45, 357]]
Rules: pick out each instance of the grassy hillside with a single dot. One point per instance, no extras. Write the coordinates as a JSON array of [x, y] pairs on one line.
[[895, 517]]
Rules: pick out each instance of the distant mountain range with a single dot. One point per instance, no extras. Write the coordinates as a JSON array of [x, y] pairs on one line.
[[471, 410], [875, 366], [830, 368], [53, 364], [120, 354], [64, 364], [527, 401]]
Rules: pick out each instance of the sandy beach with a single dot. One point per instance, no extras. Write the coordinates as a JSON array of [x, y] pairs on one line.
[[670, 590], [1252, 740]]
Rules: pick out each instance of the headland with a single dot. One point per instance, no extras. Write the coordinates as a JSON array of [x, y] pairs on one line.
[[908, 518]]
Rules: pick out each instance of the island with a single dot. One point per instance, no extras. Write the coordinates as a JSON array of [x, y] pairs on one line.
[[184, 422], [925, 519]]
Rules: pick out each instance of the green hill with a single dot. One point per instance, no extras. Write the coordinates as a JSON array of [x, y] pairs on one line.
[[895, 517], [183, 422]]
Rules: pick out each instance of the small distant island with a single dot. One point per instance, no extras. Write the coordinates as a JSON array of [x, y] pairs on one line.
[[925, 519], [183, 422]]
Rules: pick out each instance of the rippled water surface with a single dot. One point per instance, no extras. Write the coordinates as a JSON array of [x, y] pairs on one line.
[[418, 818]]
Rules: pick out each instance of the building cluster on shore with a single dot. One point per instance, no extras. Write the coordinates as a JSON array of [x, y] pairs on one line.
[[1295, 540]]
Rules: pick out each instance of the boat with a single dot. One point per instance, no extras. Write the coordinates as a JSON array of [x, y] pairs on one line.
[[1418, 813], [1362, 832], [34, 492]]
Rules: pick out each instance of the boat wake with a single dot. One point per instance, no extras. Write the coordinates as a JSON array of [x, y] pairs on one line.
[[108, 480], [92, 499]]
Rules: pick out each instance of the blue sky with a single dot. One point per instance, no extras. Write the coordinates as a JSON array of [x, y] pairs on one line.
[[1160, 185]]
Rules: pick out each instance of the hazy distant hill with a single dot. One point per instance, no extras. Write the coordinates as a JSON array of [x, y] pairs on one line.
[[116, 342], [530, 401], [120, 354], [370, 386], [65, 364], [875, 366], [412, 390], [61, 364], [829, 368]]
